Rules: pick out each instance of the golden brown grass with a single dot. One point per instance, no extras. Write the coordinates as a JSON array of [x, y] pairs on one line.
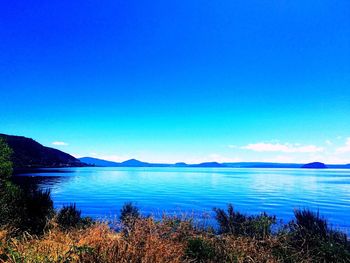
[[147, 241]]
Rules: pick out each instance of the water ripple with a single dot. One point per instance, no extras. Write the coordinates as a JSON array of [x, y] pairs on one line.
[[100, 192]]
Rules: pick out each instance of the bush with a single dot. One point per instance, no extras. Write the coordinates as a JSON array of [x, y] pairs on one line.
[[236, 223], [38, 210], [311, 233], [10, 204], [5, 160], [199, 250], [69, 216], [129, 212], [309, 224], [25, 209]]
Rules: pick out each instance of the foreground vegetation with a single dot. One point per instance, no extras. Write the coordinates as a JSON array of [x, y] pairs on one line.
[[70, 238], [32, 231]]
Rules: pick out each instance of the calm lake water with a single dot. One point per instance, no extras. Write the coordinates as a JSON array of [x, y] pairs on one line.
[[101, 192]]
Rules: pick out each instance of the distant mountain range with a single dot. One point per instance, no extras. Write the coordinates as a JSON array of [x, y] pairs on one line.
[[137, 163], [28, 153], [128, 163]]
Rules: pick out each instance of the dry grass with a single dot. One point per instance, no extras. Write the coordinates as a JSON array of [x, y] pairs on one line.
[[145, 240], [148, 241], [3, 240]]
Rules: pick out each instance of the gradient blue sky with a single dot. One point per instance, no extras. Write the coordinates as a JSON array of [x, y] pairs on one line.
[[179, 80]]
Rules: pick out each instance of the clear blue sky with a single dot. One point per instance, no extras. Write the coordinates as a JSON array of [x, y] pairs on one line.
[[180, 80]]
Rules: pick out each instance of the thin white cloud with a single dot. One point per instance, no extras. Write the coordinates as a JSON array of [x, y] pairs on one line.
[[222, 159], [57, 143], [232, 146], [280, 159], [328, 142], [284, 148], [345, 148]]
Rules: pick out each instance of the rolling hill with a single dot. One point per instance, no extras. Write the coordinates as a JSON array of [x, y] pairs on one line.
[[28, 153]]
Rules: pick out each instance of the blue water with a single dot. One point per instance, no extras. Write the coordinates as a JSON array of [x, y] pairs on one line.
[[101, 192]]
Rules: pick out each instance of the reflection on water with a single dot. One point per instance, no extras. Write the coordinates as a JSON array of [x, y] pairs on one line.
[[42, 181], [100, 192]]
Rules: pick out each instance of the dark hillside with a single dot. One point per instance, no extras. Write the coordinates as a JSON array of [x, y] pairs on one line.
[[28, 153]]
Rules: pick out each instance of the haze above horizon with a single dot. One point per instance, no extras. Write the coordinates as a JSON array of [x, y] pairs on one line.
[[191, 81]]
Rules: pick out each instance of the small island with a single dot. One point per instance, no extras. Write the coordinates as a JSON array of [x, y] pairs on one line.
[[314, 165]]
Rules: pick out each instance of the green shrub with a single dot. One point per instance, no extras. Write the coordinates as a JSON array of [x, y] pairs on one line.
[[38, 207], [11, 206], [5, 160], [309, 224], [129, 211], [129, 214], [69, 216], [311, 233], [25, 209], [236, 223], [199, 250]]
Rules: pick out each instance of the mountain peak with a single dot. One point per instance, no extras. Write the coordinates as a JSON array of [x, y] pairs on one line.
[[98, 162], [134, 162]]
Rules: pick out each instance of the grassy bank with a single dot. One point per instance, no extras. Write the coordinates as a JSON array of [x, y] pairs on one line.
[[240, 238]]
